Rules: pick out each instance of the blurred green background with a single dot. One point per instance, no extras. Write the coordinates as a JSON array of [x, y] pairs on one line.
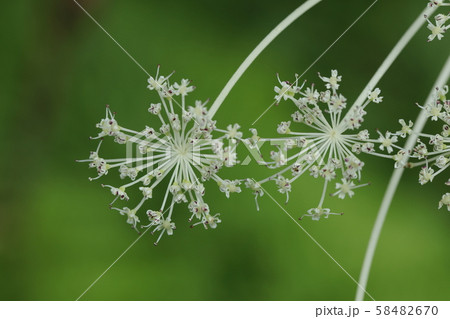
[[59, 69]]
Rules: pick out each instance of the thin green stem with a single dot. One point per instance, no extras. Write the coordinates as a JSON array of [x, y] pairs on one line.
[[395, 52], [257, 51], [392, 187]]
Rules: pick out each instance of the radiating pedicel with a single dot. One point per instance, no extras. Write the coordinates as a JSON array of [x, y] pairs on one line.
[[179, 151]]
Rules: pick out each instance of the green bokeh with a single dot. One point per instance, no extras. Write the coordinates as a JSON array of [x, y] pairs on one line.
[[59, 70]]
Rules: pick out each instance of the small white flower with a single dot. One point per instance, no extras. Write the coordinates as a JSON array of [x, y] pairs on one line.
[[420, 150], [375, 97], [344, 189], [437, 29], [211, 221], [180, 198], [155, 216], [353, 168], [132, 219], [297, 117], [278, 158], [285, 91], [311, 95], [386, 141], [445, 201], [155, 109], [199, 209], [229, 156], [318, 212], [368, 147], [426, 175], [445, 130], [438, 142], [165, 129], [158, 83], [441, 95], [406, 128], [199, 111], [356, 148], [283, 127], [284, 186], [165, 226], [183, 88], [434, 110], [325, 96], [314, 171], [108, 125], [290, 144], [296, 169], [175, 121], [98, 163], [400, 159], [333, 81], [255, 187], [253, 141], [229, 187], [327, 172], [356, 117], [118, 192], [442, 161], [363, 135], [233, 132], [217, 146], [337, 103], [442, 17]]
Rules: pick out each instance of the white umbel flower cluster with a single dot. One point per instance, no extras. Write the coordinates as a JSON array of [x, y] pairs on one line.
[[439, 26], [432, 151], [329, 148], [177, 150]]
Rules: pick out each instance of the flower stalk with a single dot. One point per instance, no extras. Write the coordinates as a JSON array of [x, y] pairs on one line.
[[257, 51], [392, 187]]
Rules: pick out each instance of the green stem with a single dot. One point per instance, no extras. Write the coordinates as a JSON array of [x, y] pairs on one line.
[[257, 51], [392, 187]]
